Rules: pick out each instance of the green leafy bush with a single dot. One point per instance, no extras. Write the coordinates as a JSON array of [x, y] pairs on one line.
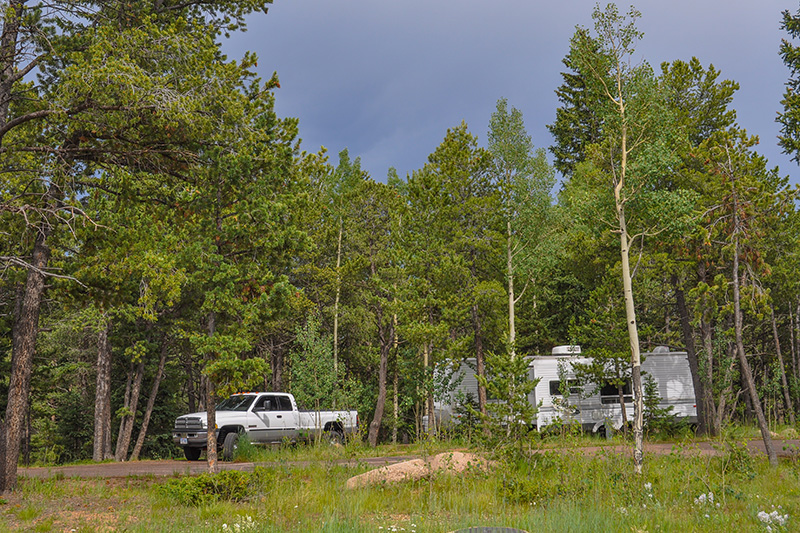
[[228, 485]]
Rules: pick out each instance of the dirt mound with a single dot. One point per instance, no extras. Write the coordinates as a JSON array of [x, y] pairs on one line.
[[449, 462]]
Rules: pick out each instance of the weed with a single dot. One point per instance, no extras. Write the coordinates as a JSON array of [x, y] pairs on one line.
[[28, 513], [739, 461]]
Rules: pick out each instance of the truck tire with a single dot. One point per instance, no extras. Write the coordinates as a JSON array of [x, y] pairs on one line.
[[230, 445], [192, 454], [333, 437]]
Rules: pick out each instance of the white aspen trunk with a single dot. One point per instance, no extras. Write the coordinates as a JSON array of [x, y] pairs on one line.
[[336, 302], [627, 285], [428, 411], [395, 382], [512, 331], [636, 357]]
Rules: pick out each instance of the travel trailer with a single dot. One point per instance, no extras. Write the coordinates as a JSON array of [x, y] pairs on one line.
[[595, 408]]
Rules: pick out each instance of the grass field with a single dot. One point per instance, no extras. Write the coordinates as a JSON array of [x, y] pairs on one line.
[[559, 489]]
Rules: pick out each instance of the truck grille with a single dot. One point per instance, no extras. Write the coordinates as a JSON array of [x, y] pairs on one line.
[[188, 423]]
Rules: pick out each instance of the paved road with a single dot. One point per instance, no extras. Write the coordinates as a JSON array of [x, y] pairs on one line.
[[172, 467], [784, 448]]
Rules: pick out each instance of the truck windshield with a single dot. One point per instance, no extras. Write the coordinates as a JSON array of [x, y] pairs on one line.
[[240, 402]]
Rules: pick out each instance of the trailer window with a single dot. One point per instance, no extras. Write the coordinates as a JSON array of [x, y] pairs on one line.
[[610, 394], [555, 387]]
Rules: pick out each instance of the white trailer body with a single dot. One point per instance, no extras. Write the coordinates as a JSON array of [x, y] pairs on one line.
[[593, 407]]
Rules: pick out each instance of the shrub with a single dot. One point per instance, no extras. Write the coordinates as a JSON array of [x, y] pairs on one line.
[[228, 485]]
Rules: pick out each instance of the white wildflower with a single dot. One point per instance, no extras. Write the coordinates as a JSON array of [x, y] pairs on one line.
[[704, 498], [648, 486], [773, 518]]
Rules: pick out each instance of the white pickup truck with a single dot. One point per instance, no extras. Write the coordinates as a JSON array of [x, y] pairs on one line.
[[265, 417]]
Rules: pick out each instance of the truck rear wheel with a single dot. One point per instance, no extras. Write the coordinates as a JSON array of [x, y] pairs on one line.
[[334, 437], [192, 454], [230, 446]]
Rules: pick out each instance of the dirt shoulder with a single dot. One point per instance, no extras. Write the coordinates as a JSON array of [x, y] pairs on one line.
[[166, 468]]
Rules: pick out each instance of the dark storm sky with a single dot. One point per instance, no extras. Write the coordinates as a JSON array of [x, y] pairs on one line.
[[386, 78]]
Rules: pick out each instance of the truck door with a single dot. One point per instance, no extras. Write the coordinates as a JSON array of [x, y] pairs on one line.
[[259, 424], [276, 419], [287, 417]]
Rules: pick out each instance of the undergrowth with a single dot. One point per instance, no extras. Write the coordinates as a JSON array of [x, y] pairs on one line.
[[528, 487]]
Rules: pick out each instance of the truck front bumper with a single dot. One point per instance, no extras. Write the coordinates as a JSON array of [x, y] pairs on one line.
[[191, 439]]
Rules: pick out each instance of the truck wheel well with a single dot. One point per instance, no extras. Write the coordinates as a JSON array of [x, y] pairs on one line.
[[224, 430], [334, 426]]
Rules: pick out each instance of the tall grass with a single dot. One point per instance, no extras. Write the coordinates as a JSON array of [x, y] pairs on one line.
[[527, 488]]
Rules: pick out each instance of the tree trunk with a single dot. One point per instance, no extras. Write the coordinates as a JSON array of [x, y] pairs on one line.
[[480, 360], [126, 424], [277, 369], [336, 300], [791, 343], [633, 335], [211, 432], [428, 409], [784, 383], [395, 381], [512, 330], [151, 401], [2, 456], [747, 374], [9, 56], [386, 338], [797, 341], [703, 423], [102, 401], [25, 332], [211, 404]]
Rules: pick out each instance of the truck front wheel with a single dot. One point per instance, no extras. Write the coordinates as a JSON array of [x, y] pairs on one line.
[[192, 454], [230, 446]]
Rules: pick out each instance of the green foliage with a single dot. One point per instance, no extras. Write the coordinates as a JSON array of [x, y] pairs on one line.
[[314, 382], [531, 489], [789, 119], [738, 460], [512, 415], [544, 478], [660, 421], [577, 124], [228, 485]]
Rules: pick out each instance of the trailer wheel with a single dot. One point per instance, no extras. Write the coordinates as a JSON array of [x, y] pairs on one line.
[[230, 446], [192, 454]]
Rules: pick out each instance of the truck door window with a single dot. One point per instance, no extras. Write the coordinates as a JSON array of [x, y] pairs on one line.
[[284, 403], [261, 404], [270, 404]]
